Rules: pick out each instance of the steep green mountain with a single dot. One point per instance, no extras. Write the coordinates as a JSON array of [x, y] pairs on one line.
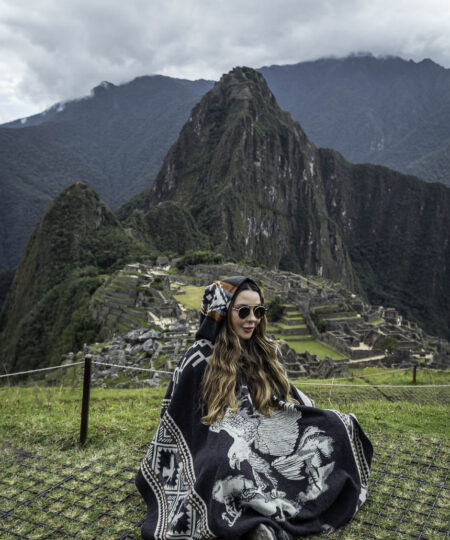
[[45, 313], [259, 189], [248, 175], [168, 227], [387, 111], [6, 279]]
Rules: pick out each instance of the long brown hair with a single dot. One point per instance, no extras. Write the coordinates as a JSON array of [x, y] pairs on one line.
[[256, 357]]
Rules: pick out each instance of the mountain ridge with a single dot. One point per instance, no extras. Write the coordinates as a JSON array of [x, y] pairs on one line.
[[237, 151], [119, 136]]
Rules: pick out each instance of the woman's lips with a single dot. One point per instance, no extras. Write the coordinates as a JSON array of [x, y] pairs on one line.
[[248, 328]]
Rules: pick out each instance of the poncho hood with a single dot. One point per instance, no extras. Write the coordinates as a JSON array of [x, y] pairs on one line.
[[217, 299]]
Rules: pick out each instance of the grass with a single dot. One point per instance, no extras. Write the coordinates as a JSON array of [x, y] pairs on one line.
[[324, 307], [377, 375], [49, 416], [289, 326], [315, 347], [191, 296], [88, 491], [331, 317]]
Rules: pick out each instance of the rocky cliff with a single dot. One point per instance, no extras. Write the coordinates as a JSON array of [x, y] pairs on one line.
[[249, 177], [397, 231]]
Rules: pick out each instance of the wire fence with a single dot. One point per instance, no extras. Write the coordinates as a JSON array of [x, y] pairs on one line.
[[55, 498], [63, 495]]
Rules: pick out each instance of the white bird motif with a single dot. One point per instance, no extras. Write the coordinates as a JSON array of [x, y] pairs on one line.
[[314, 446], [275, 435]]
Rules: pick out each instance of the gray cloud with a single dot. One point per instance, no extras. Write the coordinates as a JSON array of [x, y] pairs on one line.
[[54, 50]]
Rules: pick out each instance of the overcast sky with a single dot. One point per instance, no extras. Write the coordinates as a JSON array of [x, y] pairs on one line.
[[56, 50]]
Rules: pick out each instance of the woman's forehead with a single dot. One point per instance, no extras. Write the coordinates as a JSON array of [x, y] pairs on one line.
[[248, 298]]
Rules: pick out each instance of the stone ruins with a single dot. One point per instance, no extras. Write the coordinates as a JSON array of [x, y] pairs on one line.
[[145, 323]]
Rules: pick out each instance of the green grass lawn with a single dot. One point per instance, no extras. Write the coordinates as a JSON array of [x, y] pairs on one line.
[[192, 297], [324, 307], [49, 417], [54, 486], [314, 347], [377, 375]]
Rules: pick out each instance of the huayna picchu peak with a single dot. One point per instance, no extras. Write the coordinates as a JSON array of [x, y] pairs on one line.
[[258, 188], [249, 177]]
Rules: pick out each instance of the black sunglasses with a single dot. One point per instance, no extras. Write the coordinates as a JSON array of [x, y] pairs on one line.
[[244, 311]]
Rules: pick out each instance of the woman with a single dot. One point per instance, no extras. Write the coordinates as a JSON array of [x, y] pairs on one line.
[[239, 451]]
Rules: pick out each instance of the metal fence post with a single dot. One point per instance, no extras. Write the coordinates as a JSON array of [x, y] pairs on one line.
[[86, 395], [414, 374]]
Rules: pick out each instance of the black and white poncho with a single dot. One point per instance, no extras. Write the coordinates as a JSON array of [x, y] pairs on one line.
[[302, 469]]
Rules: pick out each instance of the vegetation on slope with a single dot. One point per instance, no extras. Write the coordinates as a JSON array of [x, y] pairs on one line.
[[396, 229], [46, 313]]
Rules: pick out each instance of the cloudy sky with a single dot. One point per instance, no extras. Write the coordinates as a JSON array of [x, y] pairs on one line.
[[56, 50]]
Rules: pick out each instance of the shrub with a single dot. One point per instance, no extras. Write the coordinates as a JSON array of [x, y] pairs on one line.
[[320, 324], [275, 311], [199, 257]]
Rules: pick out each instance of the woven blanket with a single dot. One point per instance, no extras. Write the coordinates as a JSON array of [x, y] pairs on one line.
[[303, 469]]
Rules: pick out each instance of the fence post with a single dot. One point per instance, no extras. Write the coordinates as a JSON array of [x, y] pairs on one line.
[[414, 374], [86, 395]]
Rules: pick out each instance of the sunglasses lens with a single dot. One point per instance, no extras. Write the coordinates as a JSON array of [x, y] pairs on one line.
[[244, 312], [259, 312]]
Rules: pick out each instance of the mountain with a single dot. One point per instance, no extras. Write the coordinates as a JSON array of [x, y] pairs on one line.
[[397, 230], [74, 245], [380, 110], [257, 187], [387, 111], [248, 176], [115, 140], [34, 169], [122, 133]]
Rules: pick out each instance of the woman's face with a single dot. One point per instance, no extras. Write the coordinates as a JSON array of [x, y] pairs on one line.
[[244, 328]]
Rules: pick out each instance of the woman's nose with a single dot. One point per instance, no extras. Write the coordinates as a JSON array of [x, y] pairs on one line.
[[251, 315]]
